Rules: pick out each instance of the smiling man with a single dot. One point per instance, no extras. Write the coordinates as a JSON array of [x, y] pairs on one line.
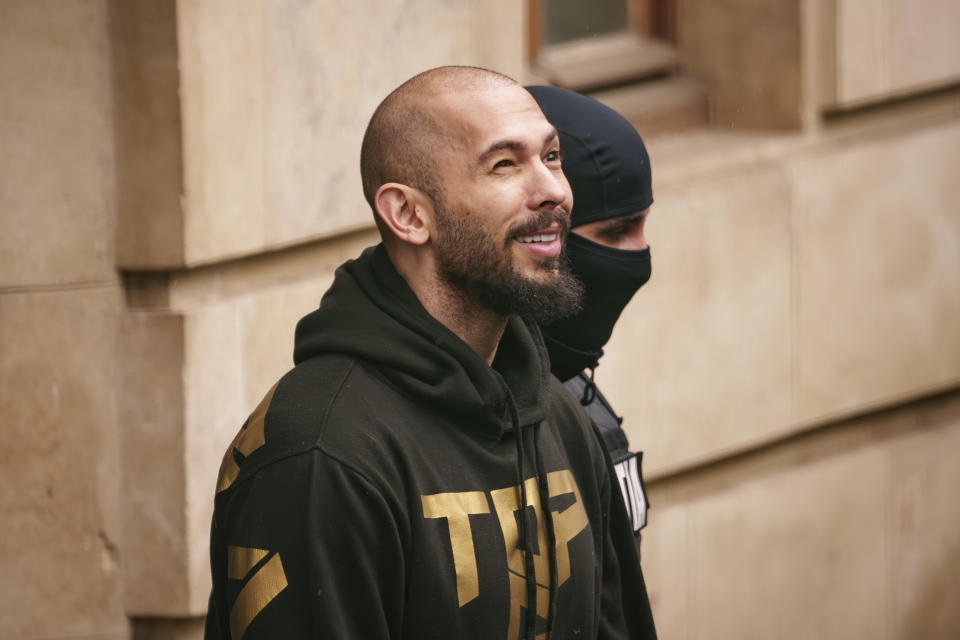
[[419, 473]]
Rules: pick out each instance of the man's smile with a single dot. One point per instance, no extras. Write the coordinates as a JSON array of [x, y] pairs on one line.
[[542, 237], [544, 243]]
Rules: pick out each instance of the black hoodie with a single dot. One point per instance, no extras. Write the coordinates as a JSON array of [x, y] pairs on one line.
[[375, 491]]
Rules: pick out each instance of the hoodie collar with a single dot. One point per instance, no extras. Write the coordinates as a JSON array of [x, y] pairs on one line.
[[370, 313]]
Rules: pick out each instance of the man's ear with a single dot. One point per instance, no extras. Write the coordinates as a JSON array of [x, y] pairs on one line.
[[405, 211]]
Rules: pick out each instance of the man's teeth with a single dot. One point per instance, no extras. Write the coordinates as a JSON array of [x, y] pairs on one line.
[[540, 237]]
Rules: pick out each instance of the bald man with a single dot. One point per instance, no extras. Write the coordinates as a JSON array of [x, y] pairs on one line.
[[419, 473]]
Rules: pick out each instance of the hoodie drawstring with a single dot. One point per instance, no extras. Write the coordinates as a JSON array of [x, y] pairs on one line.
[[551, 534], [525, 540]]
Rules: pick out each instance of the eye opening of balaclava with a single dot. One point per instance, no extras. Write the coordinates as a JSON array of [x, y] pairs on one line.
[[607, 166]]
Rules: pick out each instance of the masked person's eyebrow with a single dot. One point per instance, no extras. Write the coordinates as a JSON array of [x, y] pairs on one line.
[[630, 217]]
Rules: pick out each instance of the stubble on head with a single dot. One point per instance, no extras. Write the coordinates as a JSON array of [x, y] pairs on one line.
[[405, 134]]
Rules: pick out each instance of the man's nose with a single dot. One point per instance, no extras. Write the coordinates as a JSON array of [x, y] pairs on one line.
[[548, 188]]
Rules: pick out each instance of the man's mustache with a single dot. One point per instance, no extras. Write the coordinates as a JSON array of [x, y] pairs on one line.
[[541, 219]]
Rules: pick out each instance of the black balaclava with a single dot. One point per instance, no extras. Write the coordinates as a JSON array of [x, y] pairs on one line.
[[607, 166]]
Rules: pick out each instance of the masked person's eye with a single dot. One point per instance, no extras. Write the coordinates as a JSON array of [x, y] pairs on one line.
[[617, 231]]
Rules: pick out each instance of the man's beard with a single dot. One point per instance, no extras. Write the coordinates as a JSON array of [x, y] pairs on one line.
[[481, 268]]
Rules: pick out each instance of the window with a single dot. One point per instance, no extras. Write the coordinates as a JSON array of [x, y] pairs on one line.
[[584, 45], [621, 52]]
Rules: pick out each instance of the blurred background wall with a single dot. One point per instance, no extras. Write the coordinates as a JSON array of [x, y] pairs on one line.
[[179, 179]]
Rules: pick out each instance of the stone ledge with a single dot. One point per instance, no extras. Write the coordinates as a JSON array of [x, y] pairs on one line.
[[678, 159], [827, 435], [194, 288]]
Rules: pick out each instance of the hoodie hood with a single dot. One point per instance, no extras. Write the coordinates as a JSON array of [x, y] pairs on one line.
[[370, 313]]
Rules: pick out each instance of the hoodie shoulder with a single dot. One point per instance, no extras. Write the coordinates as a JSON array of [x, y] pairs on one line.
[[289, 419]]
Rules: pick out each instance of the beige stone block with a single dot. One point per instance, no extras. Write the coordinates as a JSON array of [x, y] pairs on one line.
[[59, 521], [924, 42], [860, 51], [183, 379], [700, 361], [149, 153], [150, 411], [498, 36], [885, 49], [799, 553], [924, 549], [665, 558], [748, 52], [267, 323], [222, 97], [213, 380], [877, 259], [56, 176]]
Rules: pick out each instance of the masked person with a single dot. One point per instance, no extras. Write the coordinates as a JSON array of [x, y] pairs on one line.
[[419, 474], [607, 166]]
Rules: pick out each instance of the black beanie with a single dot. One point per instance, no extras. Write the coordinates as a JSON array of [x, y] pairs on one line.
[[604, 158]]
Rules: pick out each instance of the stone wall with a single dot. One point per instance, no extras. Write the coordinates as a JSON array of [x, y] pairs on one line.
[[60, 305], [180, 180]]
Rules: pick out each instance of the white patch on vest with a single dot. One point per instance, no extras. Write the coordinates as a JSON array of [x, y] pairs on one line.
[[628, 473]]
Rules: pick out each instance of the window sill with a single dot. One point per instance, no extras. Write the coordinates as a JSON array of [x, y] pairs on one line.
[[605, 61]]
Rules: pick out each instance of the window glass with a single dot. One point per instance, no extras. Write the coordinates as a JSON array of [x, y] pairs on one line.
[[564, 20]]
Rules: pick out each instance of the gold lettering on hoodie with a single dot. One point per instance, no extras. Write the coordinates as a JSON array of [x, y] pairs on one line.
[[262, 587], [249, 439], [507, 504], [567, 523], [457, 507]]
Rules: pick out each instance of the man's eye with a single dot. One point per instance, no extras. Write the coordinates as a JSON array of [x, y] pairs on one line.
[[503, 163], [554, 156]]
